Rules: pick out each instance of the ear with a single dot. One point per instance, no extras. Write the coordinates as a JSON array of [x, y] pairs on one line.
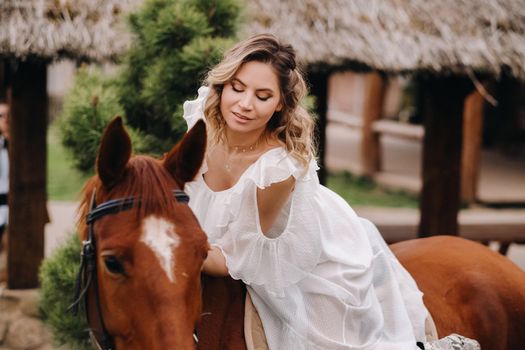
[[185, 159], [114, 153]]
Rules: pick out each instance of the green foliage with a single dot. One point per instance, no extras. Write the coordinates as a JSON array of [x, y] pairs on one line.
[[176, 43], [57, 280], [88, 107], [223, 16], [175, 26]]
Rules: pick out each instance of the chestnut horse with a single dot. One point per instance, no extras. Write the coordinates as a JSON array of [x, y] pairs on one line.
[[468, 289], [143, 251], [143, 247]]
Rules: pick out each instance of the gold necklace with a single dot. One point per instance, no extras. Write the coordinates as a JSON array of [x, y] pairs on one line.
[[238, 149]]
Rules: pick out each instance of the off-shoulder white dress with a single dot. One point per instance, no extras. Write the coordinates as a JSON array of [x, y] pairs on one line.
[[321, 278]]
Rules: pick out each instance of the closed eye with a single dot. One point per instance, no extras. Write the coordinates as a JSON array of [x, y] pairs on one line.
[[236, 88]]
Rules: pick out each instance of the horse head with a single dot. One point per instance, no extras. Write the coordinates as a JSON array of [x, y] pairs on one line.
[[147, 248]]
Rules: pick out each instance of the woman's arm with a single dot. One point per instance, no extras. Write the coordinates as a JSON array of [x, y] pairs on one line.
[[271, 201], [215, 263]]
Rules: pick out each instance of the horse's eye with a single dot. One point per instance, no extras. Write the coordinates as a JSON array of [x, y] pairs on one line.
[[114, 265]]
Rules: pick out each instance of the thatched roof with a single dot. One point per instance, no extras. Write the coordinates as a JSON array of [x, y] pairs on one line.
[[400, 35], [82, 29]]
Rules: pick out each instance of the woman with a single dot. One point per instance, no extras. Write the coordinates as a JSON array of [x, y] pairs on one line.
[[319, 276], [4, 172]]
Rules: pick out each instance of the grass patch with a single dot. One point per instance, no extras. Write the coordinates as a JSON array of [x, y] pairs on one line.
[[359, 191], [64, 182]]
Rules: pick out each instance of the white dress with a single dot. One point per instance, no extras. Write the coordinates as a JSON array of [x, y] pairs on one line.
[[321, 278]]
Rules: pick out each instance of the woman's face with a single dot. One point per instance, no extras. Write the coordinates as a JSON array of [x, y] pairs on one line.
[[249, 100]]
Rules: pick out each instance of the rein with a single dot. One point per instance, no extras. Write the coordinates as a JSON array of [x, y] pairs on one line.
[[87, 274]]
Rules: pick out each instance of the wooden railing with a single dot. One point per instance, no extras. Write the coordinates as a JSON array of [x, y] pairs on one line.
[[482, 225], [372, 126]]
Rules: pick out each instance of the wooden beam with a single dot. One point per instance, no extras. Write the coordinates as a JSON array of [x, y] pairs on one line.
[[399, 129], [471, 154], [372, 111], [27, 190], [479, 224], [443, 101], [318, 81]]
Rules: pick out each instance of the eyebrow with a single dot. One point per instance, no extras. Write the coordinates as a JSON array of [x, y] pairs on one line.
[[259, 90]]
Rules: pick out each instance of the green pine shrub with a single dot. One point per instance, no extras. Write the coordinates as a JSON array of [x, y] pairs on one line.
[[178, 41], [57, 280], [175, 43], [88, 107]]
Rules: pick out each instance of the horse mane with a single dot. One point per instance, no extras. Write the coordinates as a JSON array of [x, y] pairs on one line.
[[145, 179]]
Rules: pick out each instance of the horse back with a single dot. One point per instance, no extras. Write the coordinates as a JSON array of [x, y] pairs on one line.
[[468, 289]]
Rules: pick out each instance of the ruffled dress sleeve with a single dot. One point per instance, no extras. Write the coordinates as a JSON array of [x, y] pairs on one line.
[[194, 109], [193, 112], [273, 263]]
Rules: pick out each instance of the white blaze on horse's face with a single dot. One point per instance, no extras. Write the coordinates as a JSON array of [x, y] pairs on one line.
[[161, 237]]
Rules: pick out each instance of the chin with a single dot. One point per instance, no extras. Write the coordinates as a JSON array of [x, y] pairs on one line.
[[234, 126]]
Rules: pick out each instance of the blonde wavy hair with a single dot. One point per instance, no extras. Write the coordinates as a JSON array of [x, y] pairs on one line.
[[292, 126]]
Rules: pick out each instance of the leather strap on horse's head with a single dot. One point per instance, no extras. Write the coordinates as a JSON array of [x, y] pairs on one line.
[[87, 274]]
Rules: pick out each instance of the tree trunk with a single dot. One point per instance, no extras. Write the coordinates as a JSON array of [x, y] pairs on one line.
[[443, 101], [27, 190], [319, 88]]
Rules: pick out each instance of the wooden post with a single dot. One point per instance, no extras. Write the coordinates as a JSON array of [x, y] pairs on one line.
[[27, 188], [470, 162], [443, 101], [507, 133], [318, 81], [3, 80], [372, 111]]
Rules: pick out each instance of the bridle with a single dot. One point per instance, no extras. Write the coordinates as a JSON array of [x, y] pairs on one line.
[[87, 274]]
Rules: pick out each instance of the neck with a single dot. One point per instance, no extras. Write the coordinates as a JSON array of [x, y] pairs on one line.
[[243, 142]]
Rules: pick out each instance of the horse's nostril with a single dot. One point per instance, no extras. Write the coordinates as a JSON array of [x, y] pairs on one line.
[[114, 265]]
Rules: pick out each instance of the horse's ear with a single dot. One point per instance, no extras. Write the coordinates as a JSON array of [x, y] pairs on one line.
[[114, 153], [185, 158]]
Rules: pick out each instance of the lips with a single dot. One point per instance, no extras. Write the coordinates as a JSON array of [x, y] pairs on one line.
[[241, 117]]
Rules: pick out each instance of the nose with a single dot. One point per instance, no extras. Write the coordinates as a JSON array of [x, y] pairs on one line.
[[246, 101]]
